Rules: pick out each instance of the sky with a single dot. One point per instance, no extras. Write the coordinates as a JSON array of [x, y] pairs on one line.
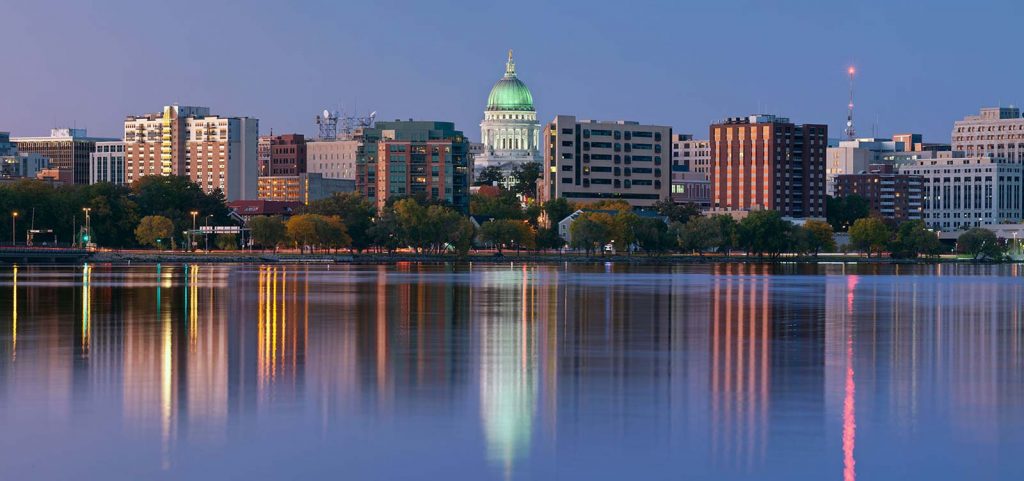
[[921, 64]]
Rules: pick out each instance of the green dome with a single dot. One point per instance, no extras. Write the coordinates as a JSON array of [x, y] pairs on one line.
[[510, 93]]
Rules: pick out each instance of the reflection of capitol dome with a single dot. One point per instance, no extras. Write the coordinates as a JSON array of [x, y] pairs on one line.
[[509, 133]]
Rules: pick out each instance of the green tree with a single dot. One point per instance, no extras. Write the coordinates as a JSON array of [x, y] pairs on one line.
[[819, 237], [502, 206], [412, 223], [842, 212], [980, 244], [698, 235], [502, 233], [913, 239], [623, 233], [525, 176], [726, 233], [355, 210], [175, 197], [227, 242], [489, 176], [268, 232], [676, 212], [869, 234], [652, 235], [385, 233], [153, 229], [590, 231], [302, 230], [764, 232], [548, 238], [557, 210]]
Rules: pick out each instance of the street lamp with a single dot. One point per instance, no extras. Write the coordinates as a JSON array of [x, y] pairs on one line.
[[88, 227], [192, 235], [206, 235], [14, 225]]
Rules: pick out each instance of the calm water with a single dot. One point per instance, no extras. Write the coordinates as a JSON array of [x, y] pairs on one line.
[[511, 372]]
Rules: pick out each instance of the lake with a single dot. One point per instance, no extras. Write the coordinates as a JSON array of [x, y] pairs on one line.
[[512, 371]]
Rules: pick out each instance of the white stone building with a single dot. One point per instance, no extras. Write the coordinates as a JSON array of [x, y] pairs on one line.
[[510, 133], [961, 192], [106, 163]]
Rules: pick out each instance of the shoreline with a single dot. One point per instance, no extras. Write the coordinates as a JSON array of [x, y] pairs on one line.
[[271, 258]]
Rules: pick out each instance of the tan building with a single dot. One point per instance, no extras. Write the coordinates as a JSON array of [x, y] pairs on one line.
[[589, 161], [694, 154], [334, 159], [996, 132], [215, 152], [767, 162]]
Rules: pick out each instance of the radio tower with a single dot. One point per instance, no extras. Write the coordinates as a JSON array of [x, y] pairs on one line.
[[850, 133]]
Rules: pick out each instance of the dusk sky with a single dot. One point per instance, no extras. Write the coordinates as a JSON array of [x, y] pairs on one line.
[[921, 65]]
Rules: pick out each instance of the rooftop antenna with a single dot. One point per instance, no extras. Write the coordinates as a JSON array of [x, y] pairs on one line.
[[850, 132]]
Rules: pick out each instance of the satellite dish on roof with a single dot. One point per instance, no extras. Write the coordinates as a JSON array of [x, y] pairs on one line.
[[327, 114]]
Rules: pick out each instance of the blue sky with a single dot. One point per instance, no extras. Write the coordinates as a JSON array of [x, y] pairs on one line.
[[922, 64]]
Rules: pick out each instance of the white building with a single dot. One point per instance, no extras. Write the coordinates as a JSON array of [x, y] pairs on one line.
[[961, 192], [106, 164], [694, 154], [334, 159], [510, 133], [854, 157]]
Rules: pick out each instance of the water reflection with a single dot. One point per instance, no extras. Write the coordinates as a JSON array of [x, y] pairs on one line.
[[519, 371]]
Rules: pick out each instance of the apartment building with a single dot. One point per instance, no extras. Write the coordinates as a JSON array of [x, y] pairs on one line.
[[106, 163], [892, 195]]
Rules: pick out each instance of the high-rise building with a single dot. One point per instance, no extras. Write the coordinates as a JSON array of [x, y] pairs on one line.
[[67, 149], [304, 188], [963, 191], [855, 157], [892, 195], [414, 158], [218, 153], [334, 159], [589, 161], [106, 164], [282, 154], [509, 132], [691, 155], [996, 132], [768, 162]]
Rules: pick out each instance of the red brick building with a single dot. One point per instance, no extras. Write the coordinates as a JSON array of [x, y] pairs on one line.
[[282, 155], [768, 162], [891, 195]]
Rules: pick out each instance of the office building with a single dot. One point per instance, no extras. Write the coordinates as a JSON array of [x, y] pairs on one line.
[[962, 191], [855, 156], [414, 158], [67, 149], [767, 162], [691, 155], [691, 188], [218, 153], [509, 133], [892, 195], [996, 132], [589, 161], [303, 188], [19, 165], [106, 164], [282, 155], [334, 159]]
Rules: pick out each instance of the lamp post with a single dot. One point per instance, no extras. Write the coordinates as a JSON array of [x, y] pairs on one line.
[[14, 225], [206, 235], [192, 235], [88, 226]]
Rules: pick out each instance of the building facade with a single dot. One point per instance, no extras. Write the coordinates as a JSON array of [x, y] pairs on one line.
[[303, 188], [282, 155], [892, 195], [855, 157], [691, 188], [415, 158], [106, 164], [19, 165], [334, 159], [693, 154], [590, 161], [962, 191], [218, 153], [67, 149], [767, 162], [509, 133], [996, 132]]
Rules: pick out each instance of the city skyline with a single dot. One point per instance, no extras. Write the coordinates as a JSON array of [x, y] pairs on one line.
[[674, 68]]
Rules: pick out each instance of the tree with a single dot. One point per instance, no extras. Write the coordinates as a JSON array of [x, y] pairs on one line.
[[842, 212], [590, 231], [698, 235], [980, 244], [869, 234], [726, 233], [461, 236], [355, 210], [913, 239], [489, 176], [525, 176], [268, 231], [503, 232], [332, 232], [764, 232], [548, 238], [175, 197], [652, 235], [505, 205], [622, 228], [385, 233], [557, 210], [153, 229], [819, 237], [676, 212], [227, 242]]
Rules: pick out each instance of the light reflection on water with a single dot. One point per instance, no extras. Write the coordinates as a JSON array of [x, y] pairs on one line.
[[512, 372]]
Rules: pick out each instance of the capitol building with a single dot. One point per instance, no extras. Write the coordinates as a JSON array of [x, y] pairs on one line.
[[509, 132]]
